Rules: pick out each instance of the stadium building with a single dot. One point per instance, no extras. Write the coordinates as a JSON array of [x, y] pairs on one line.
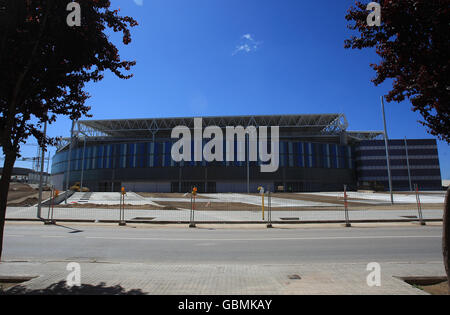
[[316, 153]]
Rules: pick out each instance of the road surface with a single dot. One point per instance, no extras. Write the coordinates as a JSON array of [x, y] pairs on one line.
[[181, 245]]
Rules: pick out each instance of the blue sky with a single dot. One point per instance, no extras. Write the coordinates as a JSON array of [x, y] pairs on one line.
[[238, 57]]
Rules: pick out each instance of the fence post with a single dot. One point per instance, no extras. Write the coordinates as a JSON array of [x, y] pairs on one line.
[[269, 210], [50, 219], [347, 220], [419, 205], [192, 218], [261, 192], [122, 208]]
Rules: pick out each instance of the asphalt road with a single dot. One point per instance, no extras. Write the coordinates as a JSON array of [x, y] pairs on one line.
[[250, 246]]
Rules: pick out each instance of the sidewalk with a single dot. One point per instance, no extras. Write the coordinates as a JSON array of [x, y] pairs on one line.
[[224, 279]]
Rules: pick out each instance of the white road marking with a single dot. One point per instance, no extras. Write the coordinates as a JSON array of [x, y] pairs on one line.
[[264, 239]]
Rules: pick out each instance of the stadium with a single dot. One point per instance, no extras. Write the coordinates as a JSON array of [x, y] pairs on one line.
[[316, 153]]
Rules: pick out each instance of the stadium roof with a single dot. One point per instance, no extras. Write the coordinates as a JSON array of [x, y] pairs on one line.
[[308, 124], [19, 171]]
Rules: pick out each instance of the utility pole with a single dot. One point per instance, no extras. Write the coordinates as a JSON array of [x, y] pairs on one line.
[[41, 173], [386, 144], [48, 166], [247, 137]]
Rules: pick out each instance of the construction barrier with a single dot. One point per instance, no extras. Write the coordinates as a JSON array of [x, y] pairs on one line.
[[347, 207]]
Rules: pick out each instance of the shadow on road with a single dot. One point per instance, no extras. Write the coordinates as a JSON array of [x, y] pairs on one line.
[[61, 288], [69, 228]]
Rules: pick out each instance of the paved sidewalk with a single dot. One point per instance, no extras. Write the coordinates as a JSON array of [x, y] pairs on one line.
[[226, 279]]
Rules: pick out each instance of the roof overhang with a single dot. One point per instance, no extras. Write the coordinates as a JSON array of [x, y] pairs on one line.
[[138, 128], [365, 135], [309, 126]]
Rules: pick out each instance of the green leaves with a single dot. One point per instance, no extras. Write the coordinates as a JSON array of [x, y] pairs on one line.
[[413, 42], [45, 64]]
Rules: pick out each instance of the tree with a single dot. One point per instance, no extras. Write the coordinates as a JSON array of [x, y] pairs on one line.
[[413, 42], [446, 236], [44, 66]]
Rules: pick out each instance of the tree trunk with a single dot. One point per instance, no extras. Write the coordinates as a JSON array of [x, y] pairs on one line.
[[10, 158], [446, 235]]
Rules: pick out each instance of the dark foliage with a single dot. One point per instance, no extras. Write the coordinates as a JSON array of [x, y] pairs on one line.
[[44, 66], [61, 288], [413, 42]]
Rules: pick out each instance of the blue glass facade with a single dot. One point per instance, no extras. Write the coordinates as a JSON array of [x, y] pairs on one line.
[[421, 155], [293, 154]]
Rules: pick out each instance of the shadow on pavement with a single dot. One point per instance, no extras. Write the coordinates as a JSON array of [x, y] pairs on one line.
[[61, 288]]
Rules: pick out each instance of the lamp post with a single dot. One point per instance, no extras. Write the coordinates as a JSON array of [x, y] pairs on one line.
[[248, 162], [41, 173], [386, 144]]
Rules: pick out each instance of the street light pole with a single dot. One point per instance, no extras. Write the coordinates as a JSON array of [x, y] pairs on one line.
[[386, 144], [248, 162], [48, 168], [41, 173]]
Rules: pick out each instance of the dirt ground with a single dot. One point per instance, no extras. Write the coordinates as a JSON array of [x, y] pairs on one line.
[[408, 193], [127, 206], [6, 285], [167, 195], [204, 205], [436, 289], [25, 195], [351, 202], [21, 195], [19, 190], [317, 198]]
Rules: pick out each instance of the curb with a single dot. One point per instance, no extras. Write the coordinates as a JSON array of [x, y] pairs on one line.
[[225, 222]]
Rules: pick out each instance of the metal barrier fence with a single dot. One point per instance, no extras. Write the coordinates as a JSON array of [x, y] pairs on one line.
[[270, 208]]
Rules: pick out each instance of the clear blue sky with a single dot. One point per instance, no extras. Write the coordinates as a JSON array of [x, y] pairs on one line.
[[238, 57]]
